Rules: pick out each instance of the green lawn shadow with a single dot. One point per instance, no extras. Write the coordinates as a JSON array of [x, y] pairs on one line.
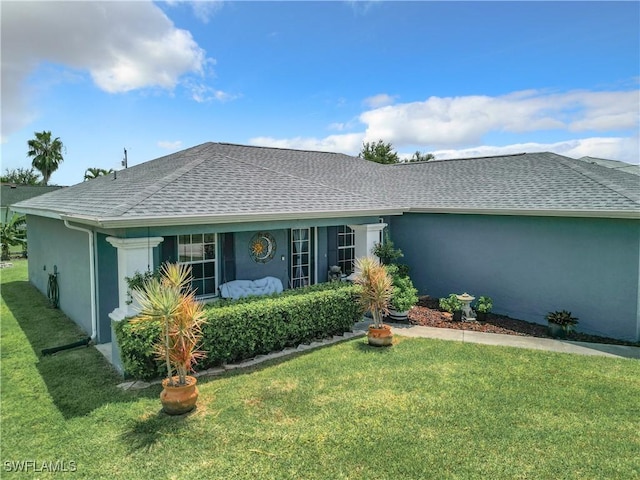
[[79, 380]]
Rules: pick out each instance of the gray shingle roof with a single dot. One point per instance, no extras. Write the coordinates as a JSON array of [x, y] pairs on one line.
[[615, 164], [221, 180], [217, 181], [11, 193], [533, 181]]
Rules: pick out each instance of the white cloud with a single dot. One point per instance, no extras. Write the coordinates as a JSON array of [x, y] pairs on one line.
[[169, 145], [337, 126], [203, 10], [123, 45], [614, 148], [380, 100], [352, 124], [361, 7], [460, 121], [202, 93], [347, 143], [456, 126]]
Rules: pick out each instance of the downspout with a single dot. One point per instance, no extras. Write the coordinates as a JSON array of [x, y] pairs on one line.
[[92, 281]]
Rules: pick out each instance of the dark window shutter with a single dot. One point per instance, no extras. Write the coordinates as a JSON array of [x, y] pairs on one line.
[[228, 258], [169, 250], [332, 245]]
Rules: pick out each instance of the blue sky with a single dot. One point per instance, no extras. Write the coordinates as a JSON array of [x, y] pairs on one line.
[[453, 78]]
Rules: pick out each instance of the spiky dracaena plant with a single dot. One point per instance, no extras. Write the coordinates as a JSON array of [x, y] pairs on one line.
[[170, 302], [377, 288]]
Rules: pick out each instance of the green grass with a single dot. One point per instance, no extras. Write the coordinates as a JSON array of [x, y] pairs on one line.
[[421, 409]]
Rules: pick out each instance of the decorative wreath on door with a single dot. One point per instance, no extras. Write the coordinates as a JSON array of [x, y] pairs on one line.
[[262, 247]]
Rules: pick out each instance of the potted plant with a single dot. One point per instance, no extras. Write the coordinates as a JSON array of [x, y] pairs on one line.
[[561, 322], [137, 281], [404, 294], [169, 301], [484, 305], [385, 251], [452, 305], [374, 296]]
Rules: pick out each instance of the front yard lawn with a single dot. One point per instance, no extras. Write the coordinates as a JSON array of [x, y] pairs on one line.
[[421, 409]]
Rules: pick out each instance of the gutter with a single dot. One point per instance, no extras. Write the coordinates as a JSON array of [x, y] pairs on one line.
[[39, 212], [92, 281], [624, 214], [178, 220]]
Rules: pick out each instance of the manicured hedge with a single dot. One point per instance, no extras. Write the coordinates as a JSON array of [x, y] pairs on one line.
[[239, 330], [136, 350]]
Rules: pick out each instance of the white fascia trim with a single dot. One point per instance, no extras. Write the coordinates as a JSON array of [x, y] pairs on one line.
[[37, 211], [625, 214], [118, 222]]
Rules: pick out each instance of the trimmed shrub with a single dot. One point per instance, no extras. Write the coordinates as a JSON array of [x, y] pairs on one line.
[[319, 287], [137, 350], [241, 329]]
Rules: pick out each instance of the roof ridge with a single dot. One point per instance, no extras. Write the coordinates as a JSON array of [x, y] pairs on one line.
[[583, 170], [155, 187], [437, 160], [278, 148]]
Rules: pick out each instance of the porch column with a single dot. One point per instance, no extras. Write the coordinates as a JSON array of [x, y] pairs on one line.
[[366, 236], [133, 256]]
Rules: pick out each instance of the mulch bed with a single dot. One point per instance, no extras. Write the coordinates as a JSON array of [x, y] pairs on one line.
[[427, 313]]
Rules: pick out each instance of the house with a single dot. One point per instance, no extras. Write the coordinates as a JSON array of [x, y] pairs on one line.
[[11, 193], [537, 232]]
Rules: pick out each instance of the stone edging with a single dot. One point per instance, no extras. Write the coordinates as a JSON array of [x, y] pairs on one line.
[[139, 384]]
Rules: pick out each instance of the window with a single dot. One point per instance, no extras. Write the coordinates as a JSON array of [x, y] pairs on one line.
[[300, 257], [199, 251], [346, 249]]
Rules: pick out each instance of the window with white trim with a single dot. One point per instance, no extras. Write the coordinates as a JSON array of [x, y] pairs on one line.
[[346, 249], [199, 251]]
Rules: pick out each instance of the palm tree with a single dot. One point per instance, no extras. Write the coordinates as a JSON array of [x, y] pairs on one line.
[[92, 173], [12, 233], [46, 154]]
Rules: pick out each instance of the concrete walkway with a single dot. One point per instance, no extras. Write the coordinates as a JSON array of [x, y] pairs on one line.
[[564, 346]]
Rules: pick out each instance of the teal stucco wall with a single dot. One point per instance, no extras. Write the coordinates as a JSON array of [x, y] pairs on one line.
[[51, 244], [106, 285], [530, 265], [247, 269]]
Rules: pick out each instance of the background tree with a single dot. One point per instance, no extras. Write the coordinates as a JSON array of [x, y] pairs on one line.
[[21, 176], [92, 173], [46, 154], [12, 233], [379, 152], [421, 157]]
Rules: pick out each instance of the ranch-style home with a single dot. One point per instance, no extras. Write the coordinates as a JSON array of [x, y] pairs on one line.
[[537, 232]]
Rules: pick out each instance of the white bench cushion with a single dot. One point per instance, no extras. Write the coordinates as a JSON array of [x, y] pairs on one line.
[[244, 288]]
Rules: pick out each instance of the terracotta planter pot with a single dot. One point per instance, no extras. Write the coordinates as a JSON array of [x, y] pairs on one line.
[[179, 399], [380, 337]]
